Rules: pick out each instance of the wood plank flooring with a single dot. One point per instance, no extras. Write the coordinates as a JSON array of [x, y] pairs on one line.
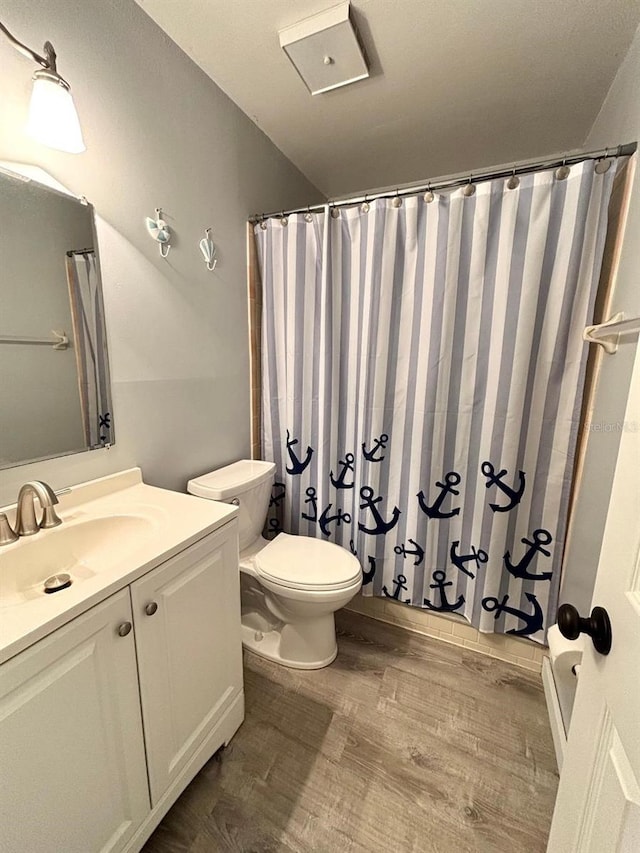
[[403, 745]]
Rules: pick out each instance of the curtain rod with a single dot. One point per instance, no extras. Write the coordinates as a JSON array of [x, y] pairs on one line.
[[72, 252], [461, 178]]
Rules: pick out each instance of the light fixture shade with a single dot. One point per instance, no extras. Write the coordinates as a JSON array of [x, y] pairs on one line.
[[53, 119]]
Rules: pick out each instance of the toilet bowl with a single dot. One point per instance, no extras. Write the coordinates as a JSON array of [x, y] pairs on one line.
[[290, 586]]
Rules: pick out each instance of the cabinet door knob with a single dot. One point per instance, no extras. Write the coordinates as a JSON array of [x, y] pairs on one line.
[[151, 608], [124, 629]]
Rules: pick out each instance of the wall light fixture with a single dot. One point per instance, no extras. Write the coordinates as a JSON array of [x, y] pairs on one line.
[[53, 119]]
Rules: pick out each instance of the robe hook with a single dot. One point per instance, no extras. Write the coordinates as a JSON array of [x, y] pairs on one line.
[[208, 249], [159, 231]]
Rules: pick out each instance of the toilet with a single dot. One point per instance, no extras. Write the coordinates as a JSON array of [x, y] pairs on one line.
[[290, 586]]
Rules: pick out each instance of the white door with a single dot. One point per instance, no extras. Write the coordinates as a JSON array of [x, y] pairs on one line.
[[598, 804], [187, 622], [72, 762]]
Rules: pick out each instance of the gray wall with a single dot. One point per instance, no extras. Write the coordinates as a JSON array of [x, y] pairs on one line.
[[159, 133], [618, 121]]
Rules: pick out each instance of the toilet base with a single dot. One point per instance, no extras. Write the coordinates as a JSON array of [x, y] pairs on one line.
[[268, 647]]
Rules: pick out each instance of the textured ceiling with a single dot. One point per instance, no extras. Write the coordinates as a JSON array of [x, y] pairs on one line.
[[454, 85]]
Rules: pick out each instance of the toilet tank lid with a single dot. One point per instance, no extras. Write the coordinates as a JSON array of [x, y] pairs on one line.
[[232, 480]]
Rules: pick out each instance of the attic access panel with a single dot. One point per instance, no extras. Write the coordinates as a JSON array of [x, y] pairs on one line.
[[325, 50]]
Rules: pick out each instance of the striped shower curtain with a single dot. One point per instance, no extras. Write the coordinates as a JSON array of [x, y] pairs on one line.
[[423, 366], [89, 337]]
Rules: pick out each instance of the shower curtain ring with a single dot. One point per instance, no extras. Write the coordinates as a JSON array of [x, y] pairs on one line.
[[365, 204], [603, 164], [283, 220], [308, 217], [563, 171], [397, 201], [514, 180], [470, 188], [429, 196]]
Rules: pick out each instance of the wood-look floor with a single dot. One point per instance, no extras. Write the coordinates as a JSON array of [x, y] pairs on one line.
[[403, 744]]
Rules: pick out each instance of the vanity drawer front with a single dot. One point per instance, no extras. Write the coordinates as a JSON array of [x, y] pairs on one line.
[[71, 747], [187, 623]]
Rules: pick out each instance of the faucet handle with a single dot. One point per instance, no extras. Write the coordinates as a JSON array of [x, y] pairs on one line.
[[7, 535]]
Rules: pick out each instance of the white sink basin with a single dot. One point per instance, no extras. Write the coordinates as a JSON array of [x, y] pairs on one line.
[[80, 549], [114, 530]]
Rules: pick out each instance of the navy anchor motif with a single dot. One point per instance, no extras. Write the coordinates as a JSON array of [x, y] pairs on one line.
[[532, 621], [459, 560], [451, 480], [520, 570], [274, 526], [379, 444], [277, 496], [400, 584], [347, 466], [514, 495], [367, 577], [312, 499], [418, 552], [439, 584], [325, 519], [382, 526], [297, 466]]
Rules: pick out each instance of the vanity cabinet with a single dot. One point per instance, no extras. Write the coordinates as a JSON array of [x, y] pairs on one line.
[[106, 720], [187, 624], [72, 761]]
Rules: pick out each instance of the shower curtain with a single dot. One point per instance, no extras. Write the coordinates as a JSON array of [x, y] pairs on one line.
[[423, 366], [91, 347]]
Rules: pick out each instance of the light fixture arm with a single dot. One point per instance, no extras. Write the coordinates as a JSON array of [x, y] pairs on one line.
[[47, 61]]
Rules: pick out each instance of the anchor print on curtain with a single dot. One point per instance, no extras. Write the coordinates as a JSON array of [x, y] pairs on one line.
[[423, 369]]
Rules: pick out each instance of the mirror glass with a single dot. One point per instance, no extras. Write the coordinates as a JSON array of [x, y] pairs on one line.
[[54, 371]]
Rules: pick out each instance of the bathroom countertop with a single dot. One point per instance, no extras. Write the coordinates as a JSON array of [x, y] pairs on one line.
[[171, 521]]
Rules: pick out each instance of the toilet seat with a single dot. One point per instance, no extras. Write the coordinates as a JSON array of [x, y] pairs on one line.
[[304, 563]]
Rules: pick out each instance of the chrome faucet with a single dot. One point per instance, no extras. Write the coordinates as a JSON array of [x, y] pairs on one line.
[[26, 522]]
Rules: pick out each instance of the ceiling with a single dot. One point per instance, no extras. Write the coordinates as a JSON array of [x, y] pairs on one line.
[[454, 86]]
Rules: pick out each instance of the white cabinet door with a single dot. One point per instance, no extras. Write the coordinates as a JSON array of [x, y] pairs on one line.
[[72, 762], [187, 622], [598, 804]]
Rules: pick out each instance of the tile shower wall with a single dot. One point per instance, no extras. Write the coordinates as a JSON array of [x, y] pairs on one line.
[[452, 630]]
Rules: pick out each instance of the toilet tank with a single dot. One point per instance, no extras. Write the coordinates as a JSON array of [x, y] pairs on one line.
[[247, 483]]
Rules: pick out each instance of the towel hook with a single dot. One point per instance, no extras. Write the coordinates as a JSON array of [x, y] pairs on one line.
[[208, 249], [160, 232]]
